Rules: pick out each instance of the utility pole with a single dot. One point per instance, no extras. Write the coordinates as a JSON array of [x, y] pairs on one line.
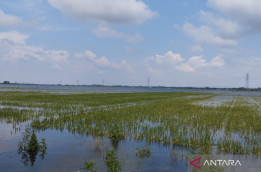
[[148, 82], [247, 80]]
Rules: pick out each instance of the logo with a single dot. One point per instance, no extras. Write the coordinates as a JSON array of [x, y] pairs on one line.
[[195, 161], [218, 162]]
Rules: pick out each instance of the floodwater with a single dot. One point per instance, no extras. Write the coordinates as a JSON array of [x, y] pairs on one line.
[[75, 89], [68, 152]]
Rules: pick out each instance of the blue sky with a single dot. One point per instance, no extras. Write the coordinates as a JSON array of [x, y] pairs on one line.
[[123, 42]]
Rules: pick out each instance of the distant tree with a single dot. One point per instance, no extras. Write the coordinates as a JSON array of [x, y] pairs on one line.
[[6, 82]]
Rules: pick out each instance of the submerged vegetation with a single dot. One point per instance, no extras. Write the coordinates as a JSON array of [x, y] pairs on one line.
[[89, 166], [112, 163], [143, 152], [29, 147], [177, 119]]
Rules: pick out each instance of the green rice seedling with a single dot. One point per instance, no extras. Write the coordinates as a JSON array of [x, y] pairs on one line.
[[231, 146], [256, 150], [116, 135], [43, 148], [163, 118], [29, 147], [112, 163], [89, 166], [143, 153]]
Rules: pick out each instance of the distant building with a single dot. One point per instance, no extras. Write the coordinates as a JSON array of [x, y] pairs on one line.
[[6, 82]]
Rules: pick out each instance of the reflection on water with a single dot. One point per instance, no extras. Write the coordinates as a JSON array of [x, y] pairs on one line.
[[69, 152], [142, 153], [29, 147]]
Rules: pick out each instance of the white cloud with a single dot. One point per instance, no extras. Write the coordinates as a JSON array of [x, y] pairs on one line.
[[205, 35], [13, 47], [14, 37], [225, 27], [109, 11], [185, 67], [106, 32], [217, 61], [171, 62], [169, 57], [197, 61], [197, 49], [9, 20], [105, 62], [78, 55], [102, 61], [247, 12], [90, 54]]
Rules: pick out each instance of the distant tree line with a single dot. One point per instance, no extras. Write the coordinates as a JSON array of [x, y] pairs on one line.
[[6, 82]]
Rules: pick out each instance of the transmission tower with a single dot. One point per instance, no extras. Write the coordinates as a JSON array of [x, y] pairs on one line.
[[247, 80], [148, 82]]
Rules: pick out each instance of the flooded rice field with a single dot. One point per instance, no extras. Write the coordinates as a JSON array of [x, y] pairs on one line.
[[144, 131]]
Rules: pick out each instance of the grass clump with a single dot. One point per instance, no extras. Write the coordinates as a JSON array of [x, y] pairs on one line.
[[231, 146], [112, 163], [29, 147], [143, 153], [89, 166]]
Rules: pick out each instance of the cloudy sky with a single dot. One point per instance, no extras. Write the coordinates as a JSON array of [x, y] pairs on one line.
[[123, 42]]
